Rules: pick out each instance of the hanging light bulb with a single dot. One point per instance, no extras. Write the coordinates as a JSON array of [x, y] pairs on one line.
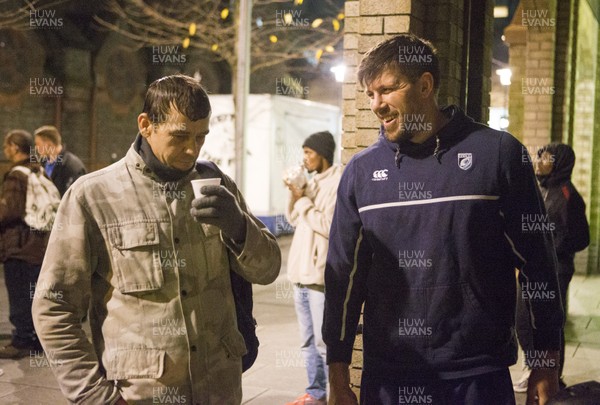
[[341, 16], [192, 29], [224, 13], [336, 25], [298, 2], [214, 47], [329, 48], [318, 54], [288, 18], [185, 43], [273, 38], [317, 22]]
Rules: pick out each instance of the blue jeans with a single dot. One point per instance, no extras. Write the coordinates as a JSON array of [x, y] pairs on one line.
[[309, 310], [20, 278]]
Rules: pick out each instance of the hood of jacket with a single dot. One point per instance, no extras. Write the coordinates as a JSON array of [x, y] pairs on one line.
[[563, 163], [435, 145]]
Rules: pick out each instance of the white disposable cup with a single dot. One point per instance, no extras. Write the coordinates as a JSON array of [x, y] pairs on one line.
[[199, 183]]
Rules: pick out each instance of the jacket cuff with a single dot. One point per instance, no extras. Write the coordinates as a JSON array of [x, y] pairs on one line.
[[303, 204], [546, 352], [240, 248], [259, 254], [340, 353]]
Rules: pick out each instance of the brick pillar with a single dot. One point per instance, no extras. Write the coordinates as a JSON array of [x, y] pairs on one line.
[[531, 38], [516, 38], [563, 79], [445, 25], [462, 32], [367, 23]]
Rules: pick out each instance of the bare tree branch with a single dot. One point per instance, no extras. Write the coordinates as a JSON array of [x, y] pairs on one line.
[[274, 39], [19, 17]]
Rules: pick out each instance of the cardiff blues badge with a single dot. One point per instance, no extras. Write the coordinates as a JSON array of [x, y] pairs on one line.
[[465, 160]]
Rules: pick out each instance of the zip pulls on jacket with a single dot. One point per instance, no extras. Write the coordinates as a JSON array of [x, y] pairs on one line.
[[437, 149], [437, 153], [398, 157]]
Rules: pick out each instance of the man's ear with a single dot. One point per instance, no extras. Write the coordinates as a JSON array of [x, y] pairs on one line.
[[426, 84], [144, 125]]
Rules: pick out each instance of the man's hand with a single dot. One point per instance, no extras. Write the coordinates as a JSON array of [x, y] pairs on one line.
[[296, 192], [339, 384], [220, 208], [543, 383]]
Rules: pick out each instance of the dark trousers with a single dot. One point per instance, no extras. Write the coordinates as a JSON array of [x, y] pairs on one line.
[[493, 388], [563, 286], [566, 269], [20, 278]]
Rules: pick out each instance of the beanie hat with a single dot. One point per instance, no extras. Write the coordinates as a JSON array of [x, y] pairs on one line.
[[322, 143]]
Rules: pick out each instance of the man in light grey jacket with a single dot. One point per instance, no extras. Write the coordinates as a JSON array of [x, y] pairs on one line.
[[310, 210], [154, 261]]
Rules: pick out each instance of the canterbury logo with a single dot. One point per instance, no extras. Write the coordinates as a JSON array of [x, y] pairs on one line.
[[379, 175]]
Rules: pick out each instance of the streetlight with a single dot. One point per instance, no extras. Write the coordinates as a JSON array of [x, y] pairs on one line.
[[505, 75], [339, 71]]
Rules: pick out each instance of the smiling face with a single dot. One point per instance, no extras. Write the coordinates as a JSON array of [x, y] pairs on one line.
[[394, 99], [177, 141]]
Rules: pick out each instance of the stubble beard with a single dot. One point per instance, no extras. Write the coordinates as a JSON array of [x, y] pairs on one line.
[[399, 136]]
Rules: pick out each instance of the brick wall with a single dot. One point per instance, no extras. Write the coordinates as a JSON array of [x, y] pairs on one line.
[[537, 85], [585, 136], [445, 31], [561, 112], [553, 49], [516, 38]]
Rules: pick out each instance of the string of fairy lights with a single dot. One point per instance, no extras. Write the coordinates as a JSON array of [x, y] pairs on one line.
[[288, 19]]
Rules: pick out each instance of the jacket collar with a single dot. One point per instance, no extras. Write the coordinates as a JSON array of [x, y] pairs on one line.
[[435, 145], [134, 160], [151, 166], [34, 166], [327, 173]]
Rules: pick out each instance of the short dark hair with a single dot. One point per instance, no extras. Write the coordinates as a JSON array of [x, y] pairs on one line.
[[50, 133], [184, 92], [22, 139], [405, 54]]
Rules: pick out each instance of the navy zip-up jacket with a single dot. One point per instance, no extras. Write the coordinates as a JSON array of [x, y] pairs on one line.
[[428, 237]]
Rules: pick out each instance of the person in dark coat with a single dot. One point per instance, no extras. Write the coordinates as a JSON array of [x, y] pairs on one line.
[[569, 226], [21, 247], [62, 166]]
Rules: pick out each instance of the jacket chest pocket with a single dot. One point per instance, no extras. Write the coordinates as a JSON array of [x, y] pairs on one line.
[[135, 250]]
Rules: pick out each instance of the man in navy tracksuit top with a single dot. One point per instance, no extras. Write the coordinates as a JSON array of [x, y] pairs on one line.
[[430, 223]]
